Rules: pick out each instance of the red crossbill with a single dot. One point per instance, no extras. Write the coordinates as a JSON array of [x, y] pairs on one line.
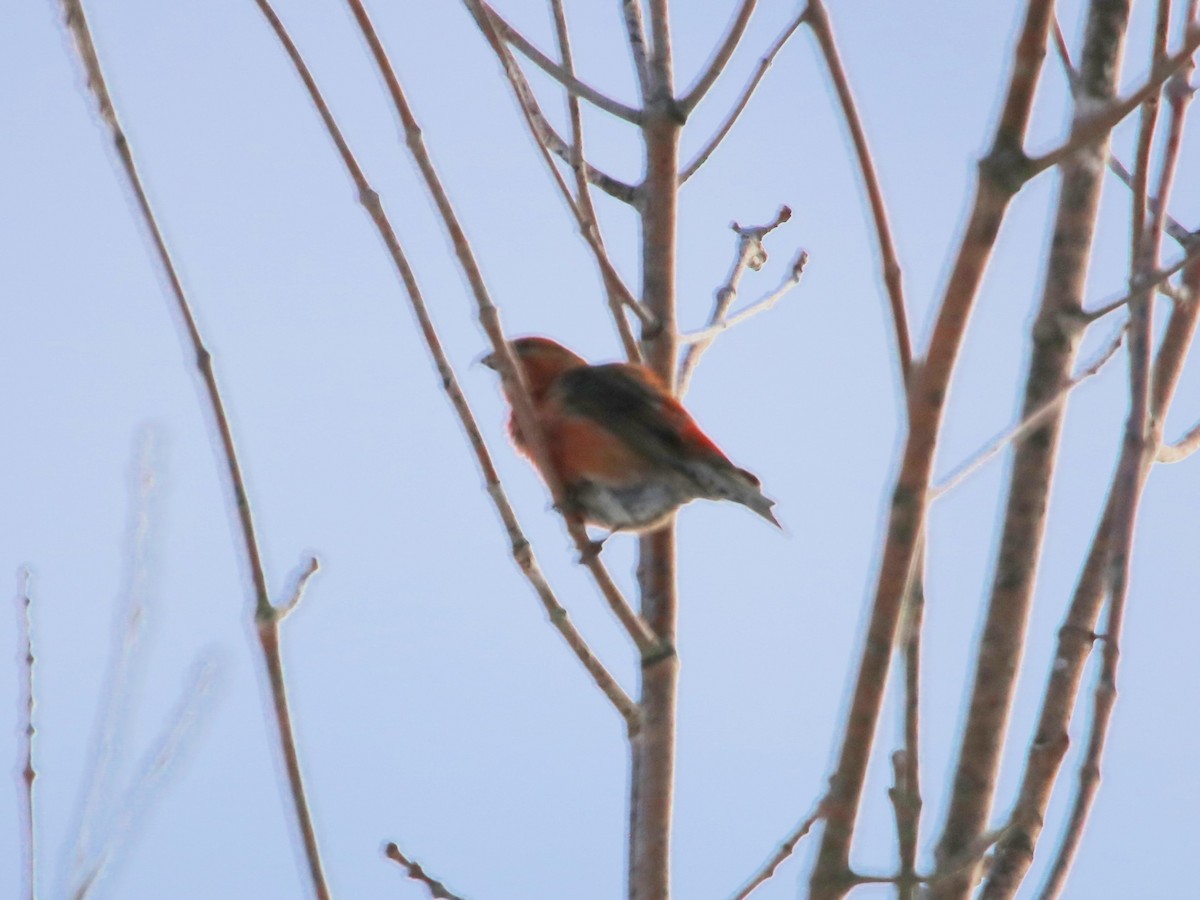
[[626, 453]]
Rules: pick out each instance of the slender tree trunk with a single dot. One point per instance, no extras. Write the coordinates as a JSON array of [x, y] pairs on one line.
[[1056, 334], [653, 748]]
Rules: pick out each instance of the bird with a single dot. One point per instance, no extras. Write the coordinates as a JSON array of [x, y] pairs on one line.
[[625, 452]]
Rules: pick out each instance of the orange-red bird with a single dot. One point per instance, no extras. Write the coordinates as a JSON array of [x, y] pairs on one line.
[[627, 454]]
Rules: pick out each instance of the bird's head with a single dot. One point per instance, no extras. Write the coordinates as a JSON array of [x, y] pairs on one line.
[[541, 360]]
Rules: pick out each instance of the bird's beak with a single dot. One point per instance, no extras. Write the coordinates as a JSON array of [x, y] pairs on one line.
[[489, 360]]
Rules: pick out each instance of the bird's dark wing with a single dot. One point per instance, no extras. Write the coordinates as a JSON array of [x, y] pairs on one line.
[[630, 402]]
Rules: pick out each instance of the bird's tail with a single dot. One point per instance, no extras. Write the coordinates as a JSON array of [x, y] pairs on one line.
[[728, 482], [751, 495]]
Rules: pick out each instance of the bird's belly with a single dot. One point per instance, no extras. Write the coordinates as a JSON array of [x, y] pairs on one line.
[[637, 507]]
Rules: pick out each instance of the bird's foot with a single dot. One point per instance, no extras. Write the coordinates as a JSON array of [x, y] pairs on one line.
[[591, 550]]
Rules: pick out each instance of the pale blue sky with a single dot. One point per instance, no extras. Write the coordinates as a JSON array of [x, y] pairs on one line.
[[434, 704]]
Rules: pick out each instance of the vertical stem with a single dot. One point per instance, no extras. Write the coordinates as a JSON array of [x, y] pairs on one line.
[[653, 748], [1001, 174], [264, 614], [26, 733], [906, 795], [1055, 338]]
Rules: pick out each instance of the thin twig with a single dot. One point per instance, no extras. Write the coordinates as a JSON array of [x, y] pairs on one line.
[[786, 848], [112, 717], [299, 583], [661, 64], [1055, 336], [26, 731], [1076, 636], [818, 21], [521, 550], [994, 190], [743, 101], [1132, 468], [532, 114], [264, 613], [1177, 232], [1030, 423], [489, 316], [1103, 121], [905, 792], [636, 33], [720, 59], [561, 74], [437, 890], [750, 255], [1179, 93], [1142, 282], [585, 210], [1181, 449], [707, 335], [177, 727], [614, 187]]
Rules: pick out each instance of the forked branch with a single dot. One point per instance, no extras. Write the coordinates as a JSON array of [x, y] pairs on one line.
[[743, 101], [521, 550], [265, 615], [26, 734], [1029, 423], [751, 254], [926, 400], [436, 889], [786, 848], [720, 59], [818, 21], [561, 74], [1103, 121]]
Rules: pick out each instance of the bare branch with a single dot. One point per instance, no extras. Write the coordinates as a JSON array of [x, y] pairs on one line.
[[521, 550], [265, 617], [1054, 340], [586, 212], [300, 582], [743, 101], [1077, 634], [994, 190], [707, 335], [573, 85], [1029, 423], [1179, 93], [614, 187], [786, 848], [545, 132], [1181, 449], [489, 317], [905, 792], [652, 752], [1177, 232], [437, 890], [1133, 467], [637, 44], [1103, 121], [751, 255], [588, 227], [661, 67], [26, 731], [720, 59], [171, 741], [117, 683], [1142, 282], [818, 21]]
